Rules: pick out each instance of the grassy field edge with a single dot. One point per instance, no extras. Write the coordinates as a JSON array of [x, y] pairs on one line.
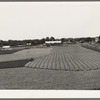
[[95, 48]]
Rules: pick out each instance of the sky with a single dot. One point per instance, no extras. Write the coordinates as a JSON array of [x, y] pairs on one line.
[[36, 20]]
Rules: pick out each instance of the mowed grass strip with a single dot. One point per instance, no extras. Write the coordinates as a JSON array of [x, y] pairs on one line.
[[22, 58], [25, 54]]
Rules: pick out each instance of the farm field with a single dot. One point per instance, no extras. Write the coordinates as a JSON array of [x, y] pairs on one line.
[[25, 54], [12, 50], [70, 58], [62, 77], [2, 52]]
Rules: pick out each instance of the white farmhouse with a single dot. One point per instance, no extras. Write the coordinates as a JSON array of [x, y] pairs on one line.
[[6, 48], [28, 44], [52, 42], [96, 39]]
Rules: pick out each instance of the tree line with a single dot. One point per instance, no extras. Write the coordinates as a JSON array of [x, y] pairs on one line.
[[42, 41], [25, 42]]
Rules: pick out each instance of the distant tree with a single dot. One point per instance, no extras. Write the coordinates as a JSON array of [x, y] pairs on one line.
[[5, 43], [9, 42], [1, 43], [47, 39], [63, 40], [88, 39], [99, 39], [36, 42], [52, 38], [32, 42], [42, 41], [57, 39], [13, 42]]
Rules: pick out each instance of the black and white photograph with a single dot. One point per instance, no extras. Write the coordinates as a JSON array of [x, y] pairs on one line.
[[50, 45]]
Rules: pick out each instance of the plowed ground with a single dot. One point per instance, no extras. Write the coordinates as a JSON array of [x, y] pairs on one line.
[[70, 58]]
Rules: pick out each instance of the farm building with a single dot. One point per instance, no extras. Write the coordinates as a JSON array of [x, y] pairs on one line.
[[96, 39], [6, 48], [52, 42], [28, 44]]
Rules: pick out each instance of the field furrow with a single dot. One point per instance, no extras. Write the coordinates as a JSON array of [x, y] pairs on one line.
[[91, 64], [70, 61], [45, 62], [78, 66], [50, 61], [81, 62], [70, 58], [61, 64], [67, 65]]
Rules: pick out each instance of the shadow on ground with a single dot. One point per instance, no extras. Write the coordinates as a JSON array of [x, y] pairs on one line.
[[95, 89], [13, 64]]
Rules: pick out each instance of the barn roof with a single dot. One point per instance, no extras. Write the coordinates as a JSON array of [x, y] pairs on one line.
[[52, 42]]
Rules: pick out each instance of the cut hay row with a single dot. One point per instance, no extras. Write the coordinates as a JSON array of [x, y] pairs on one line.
[[91, 60], [90, 63], [70, 58], [81, 64]]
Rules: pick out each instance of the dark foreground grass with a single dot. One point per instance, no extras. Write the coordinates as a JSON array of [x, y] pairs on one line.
[[13, 64]]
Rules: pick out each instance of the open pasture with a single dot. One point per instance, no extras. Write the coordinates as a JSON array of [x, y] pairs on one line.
[[70, 58], [25, 54]]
